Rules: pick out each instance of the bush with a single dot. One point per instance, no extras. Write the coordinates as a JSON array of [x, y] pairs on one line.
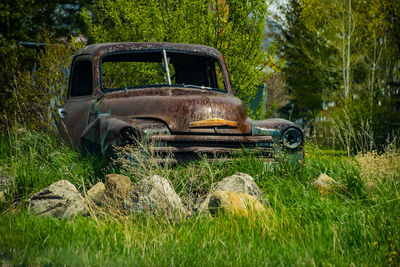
[[35, 96]]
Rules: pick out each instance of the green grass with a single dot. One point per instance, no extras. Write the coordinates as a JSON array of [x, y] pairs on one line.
[[358, 225], [37, 160]]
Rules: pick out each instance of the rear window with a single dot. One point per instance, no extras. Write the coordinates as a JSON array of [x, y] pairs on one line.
[[82, 78]]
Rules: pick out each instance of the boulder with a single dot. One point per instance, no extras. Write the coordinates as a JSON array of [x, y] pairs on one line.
[[117, 186], [97, 193], [60, 199], [234, 203], [239, 182], [154, 195], [325, 184], [76, 207]]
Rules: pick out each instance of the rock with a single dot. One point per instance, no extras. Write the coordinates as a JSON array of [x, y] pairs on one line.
[[117, 186], [6, 181], [60, 199], [97, 193], [234, 203], [76, 207], [239, 182], [325, 184], [154, 195], [5, 184]]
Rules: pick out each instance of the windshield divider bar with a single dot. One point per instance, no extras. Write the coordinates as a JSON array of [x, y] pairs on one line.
[[166, 63]]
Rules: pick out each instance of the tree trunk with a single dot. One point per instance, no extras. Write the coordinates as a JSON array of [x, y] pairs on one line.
[[348, 52]]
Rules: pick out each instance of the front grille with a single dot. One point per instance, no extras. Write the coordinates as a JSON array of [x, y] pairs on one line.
[[191, 147]]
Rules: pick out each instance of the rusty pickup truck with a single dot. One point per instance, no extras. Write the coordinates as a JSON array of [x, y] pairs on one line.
[[176, 97]]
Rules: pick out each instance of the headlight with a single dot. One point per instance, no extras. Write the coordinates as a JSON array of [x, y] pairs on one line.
[[130, 136], [292, 138]]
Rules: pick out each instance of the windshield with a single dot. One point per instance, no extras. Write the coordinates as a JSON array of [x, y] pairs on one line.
[[127, 70]]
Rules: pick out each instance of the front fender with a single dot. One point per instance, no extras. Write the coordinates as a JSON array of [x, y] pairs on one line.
[[278, 129], [273, 127], [102, 133], [106, 131]]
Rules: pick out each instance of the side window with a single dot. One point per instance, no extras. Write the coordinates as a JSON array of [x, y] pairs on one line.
[[216, 76], [220, 77], [82, 78]]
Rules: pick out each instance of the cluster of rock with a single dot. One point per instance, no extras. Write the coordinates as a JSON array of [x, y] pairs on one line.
[[237, 194]]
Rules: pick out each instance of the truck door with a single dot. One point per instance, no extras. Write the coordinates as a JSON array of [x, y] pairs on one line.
[[74, 115]]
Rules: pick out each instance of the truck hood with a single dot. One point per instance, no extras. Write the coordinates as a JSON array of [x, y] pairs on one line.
[[184, 110]]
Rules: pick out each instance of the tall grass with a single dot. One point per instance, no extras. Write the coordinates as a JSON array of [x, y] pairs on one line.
[[356, 226], [37, 160]]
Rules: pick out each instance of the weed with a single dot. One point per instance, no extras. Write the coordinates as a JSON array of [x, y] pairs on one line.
[[377, 168]]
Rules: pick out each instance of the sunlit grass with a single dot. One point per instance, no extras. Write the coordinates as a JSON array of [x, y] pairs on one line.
[[357, 226]]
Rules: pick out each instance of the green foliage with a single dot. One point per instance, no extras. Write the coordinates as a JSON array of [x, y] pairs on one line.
[[35, 97], [234, 27], [366, 41], [345, 57], [33, 21], [308, 82]]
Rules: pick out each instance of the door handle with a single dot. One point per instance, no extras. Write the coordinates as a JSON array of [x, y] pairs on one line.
[[62, 113]]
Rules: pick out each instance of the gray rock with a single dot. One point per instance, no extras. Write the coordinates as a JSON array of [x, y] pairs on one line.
[[75, 208], [154, 195], [240, 183], [97, 193], [60, 199]]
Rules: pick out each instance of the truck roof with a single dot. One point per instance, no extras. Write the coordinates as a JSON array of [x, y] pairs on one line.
[[104, 48]]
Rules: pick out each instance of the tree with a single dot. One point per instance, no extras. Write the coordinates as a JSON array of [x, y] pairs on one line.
[[307, 71], [357, 32], [234, 27], [34, 21], [355, 42]]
